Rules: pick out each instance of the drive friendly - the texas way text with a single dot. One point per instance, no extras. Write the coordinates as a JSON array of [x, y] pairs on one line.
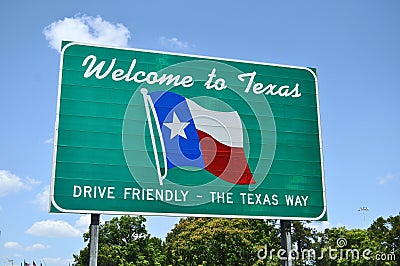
[[175, 196]]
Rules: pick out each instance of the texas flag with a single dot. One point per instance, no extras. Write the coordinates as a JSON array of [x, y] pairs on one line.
[[191, 135]]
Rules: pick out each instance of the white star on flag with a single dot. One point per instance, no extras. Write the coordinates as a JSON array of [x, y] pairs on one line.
[[177, 127]]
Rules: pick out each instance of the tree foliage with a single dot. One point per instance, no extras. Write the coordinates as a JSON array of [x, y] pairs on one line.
[[386, 232], [378, 245], [217, 241], [124, 241]]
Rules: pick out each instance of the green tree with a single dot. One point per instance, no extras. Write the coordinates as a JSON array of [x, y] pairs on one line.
[[347, 247], [386, 232], [124, 241], [218, 241], [302, 238]]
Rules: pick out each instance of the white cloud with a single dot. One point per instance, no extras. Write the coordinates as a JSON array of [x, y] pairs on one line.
[[36, 247], [86, 29], [175, 43], [385, 179], [82, 224], [49, 141], [51, 228], [9, 183], [12, 183], [31, 182], [42, 198], [12, 245]]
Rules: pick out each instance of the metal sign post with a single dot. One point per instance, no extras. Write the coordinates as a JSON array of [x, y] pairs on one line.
[[94, 239], [286, 242]]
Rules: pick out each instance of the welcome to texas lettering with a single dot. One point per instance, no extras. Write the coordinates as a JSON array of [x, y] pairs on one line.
[[140, 76]]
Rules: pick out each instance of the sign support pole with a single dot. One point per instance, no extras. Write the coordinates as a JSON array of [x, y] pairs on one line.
[[94, 239], [286, 241]]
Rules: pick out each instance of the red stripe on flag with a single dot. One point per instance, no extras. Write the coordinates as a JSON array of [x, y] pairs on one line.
[[228, 163]]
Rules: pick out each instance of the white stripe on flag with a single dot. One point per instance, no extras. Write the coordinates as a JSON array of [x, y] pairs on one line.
[[226, 127]]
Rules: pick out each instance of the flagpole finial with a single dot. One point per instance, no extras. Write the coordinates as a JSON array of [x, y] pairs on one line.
[[144, 91]]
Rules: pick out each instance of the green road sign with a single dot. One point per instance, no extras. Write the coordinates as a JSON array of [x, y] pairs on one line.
[[148, 132]]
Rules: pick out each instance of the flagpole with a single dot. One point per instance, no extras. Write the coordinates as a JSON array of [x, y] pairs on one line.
[[161, 176]]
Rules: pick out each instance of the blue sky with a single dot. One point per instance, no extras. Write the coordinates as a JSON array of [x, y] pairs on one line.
[[353, 44]]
